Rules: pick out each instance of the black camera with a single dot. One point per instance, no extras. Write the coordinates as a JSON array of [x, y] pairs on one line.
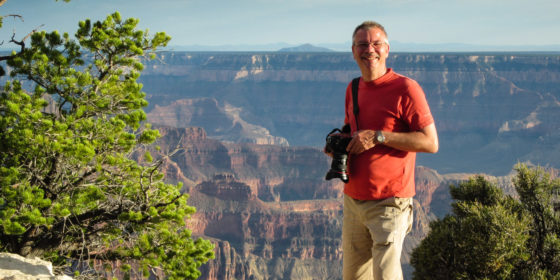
[[336, 144]]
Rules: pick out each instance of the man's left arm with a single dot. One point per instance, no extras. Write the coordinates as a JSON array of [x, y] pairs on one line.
[[423, 140]]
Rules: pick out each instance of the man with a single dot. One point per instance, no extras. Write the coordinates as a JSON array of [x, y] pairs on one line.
[[394, 122]]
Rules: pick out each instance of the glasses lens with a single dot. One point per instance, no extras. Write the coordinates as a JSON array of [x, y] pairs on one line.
[[365, 45]]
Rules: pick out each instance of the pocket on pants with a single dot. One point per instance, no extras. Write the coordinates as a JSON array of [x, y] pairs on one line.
[[385, 218], [383, 227]]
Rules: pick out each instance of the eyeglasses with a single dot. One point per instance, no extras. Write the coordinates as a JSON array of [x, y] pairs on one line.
[[365, 45]]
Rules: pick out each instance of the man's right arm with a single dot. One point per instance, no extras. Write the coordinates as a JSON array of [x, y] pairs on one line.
[[424, 140]]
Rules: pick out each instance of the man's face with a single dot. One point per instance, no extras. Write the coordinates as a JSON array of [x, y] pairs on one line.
[[370, 50]]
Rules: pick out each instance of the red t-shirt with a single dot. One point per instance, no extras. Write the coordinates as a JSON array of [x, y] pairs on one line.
[[390, 103]]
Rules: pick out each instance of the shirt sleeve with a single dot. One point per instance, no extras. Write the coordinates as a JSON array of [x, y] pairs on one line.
[[416, 110]]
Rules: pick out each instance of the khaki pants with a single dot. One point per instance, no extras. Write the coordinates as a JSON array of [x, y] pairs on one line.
[[373, 232]]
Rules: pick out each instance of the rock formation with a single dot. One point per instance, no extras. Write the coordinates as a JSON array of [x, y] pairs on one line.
[[267, 207], [269, 210], [15, 267], [491, 110], [221, 122]]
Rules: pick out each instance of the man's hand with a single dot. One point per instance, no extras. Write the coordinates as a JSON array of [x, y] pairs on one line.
[[362, 141], [424, 140]]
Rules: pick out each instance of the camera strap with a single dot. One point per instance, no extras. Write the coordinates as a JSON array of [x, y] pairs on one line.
[[355, 85]]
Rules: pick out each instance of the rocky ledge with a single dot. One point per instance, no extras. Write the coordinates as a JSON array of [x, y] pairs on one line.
[[16, 267]]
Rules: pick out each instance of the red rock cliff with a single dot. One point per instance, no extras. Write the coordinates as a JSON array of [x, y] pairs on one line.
[[269, 210]]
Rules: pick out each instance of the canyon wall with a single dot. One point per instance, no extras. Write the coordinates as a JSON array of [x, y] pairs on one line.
[[491, 110], [251, 127], [268, 209]]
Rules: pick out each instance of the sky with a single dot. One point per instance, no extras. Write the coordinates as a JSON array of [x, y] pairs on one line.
[[253, 23]]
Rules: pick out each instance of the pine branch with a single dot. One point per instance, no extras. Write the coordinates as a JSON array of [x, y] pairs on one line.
[[19, 43]]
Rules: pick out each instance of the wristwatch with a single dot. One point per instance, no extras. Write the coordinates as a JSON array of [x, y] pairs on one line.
[[378, 138]]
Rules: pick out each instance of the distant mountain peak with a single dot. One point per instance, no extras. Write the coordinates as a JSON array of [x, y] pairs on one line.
[[305, 48]]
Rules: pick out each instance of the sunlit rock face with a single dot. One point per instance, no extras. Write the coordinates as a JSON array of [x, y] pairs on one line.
[[16, 267], [268, 209], [222, 122], [491, 110]]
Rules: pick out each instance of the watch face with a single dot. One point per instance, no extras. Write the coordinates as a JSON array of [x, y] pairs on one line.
[[379, 138]]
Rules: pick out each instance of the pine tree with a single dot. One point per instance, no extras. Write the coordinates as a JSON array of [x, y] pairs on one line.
[[70, 120], [490, 235], [538, 194]]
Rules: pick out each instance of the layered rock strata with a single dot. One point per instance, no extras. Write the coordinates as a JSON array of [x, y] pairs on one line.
[[268, 209], [491, 109]]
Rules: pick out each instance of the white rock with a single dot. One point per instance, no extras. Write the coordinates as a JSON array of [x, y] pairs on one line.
[[16, 267]]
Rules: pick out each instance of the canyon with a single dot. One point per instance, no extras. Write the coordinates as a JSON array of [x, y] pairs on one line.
[[251, 127], [270, 212], [491, 110]]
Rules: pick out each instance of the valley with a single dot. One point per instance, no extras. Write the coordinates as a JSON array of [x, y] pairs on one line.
[[251, 127]]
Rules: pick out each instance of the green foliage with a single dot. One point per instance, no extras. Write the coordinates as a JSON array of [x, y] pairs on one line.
[[71, 119], [538, 194], [477, 190], [490, 235]]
